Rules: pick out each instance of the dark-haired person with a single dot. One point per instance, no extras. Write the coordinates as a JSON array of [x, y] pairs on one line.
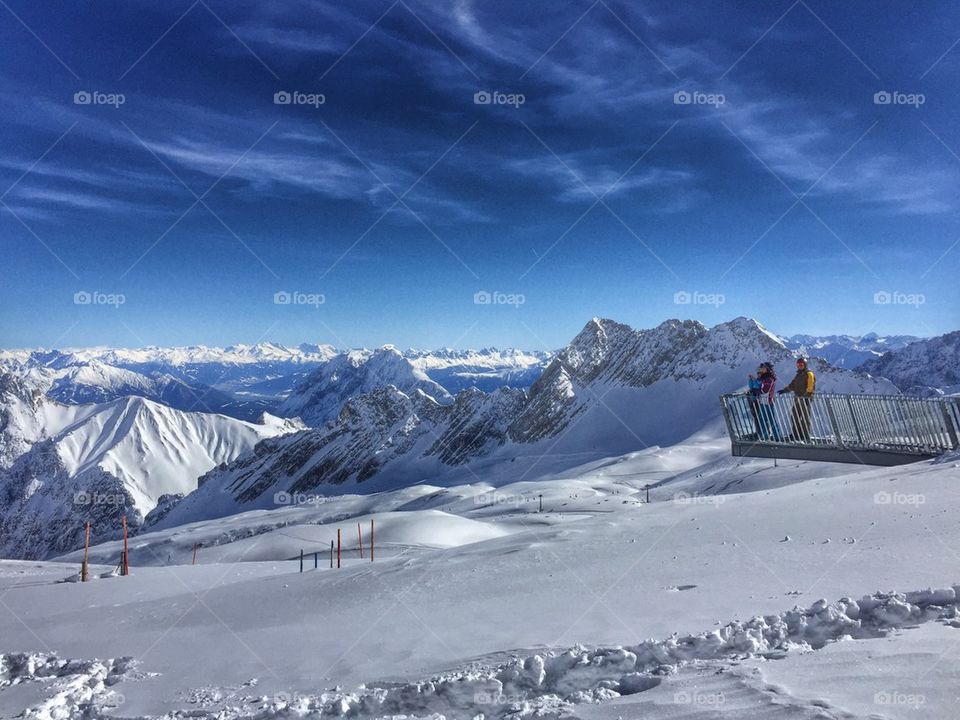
[[803, 386], [768, 383]]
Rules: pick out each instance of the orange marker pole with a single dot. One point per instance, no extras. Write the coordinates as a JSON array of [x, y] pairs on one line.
[[338, 547], [125, 563], [84, 572], [371, 539], [360, 540]]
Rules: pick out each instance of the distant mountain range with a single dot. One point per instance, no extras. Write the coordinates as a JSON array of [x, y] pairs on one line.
[[245, 381], [167, 435], [928, 367], [613, 390], [847, 351]]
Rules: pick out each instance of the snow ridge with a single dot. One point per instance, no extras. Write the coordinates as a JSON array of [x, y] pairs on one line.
[[548, 682]]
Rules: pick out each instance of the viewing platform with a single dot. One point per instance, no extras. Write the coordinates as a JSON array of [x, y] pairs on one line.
[[865, 429]]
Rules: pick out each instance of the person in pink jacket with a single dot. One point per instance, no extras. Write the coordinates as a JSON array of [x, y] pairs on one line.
[[766, 419]]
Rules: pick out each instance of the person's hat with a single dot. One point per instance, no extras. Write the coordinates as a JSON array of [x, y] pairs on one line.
[[801, 361]]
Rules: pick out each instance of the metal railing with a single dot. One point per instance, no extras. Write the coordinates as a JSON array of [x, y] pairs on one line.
[[862, 427]]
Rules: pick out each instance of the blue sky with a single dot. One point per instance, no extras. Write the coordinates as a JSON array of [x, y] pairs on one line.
[[783, 190]]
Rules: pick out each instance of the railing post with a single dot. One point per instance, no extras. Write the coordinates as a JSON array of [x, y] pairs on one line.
[[948, 420], [726, 416], [853, 418], [833, 422]]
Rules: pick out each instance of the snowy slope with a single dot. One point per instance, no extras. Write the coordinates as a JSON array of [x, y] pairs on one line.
[[613, 390], [323, 393], [114, 459], [28, 416], [806, 599], [923, 366], [847, 350]]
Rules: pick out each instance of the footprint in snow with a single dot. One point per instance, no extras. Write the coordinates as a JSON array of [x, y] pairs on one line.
[[679, 588]]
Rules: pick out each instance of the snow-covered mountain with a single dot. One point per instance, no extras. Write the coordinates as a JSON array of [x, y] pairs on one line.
[[94, 381], [322, 394], [661, 385], [244, 381], [926, 366], [486, 369], [847, 350], [100, 462], [612, 390], [250, 372], [27, 415]]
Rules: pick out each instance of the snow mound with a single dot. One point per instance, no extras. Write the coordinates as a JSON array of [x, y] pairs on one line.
[[81, 688]]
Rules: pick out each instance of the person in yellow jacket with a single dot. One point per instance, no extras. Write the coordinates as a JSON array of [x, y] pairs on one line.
[[803, 386]]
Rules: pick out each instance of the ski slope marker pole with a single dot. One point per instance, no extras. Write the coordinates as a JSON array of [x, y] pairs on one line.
[[84, 571], [315, 560], [331, 554], [196, 546], [301, 559], [125, 561], [360, 540], [371, 539], [338, 547]]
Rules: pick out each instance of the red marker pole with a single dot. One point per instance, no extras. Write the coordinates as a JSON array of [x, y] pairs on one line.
[[338, 547], [360, 540], [84, 572]]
